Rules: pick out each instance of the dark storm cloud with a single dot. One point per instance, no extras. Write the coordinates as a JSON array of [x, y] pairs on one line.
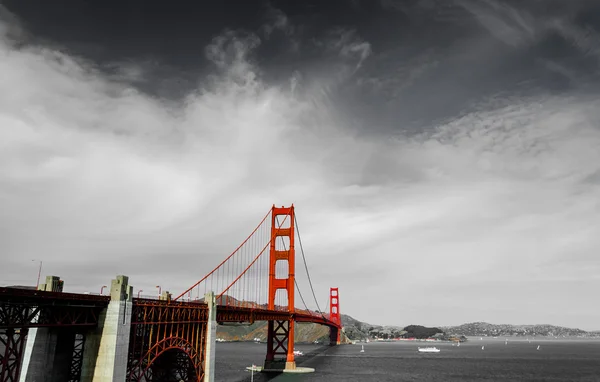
[[454, 139]]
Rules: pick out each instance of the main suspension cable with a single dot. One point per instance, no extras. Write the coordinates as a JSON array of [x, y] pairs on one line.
[[306, 266], [295, 280]]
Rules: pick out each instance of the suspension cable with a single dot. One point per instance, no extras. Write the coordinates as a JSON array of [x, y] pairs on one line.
[[253, 261], [306, 266], [295, 280], [226, 259], [300, 293]]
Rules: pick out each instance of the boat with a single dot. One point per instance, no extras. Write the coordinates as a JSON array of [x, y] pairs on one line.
[[429, 350], [298, 353], [362, 349]]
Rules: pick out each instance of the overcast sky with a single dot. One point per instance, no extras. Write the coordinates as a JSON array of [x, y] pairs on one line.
[[443, 155]]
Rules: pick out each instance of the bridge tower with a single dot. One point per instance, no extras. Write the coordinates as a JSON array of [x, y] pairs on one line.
[[334, 315], [280, 334]]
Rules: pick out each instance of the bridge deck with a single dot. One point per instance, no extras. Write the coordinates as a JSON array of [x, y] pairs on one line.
[[19, 307], [28, 308]]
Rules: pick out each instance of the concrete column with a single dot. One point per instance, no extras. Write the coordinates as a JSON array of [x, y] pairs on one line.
[[211, 336], [166, 295], [106, 349], [53, 284], [48, 351]]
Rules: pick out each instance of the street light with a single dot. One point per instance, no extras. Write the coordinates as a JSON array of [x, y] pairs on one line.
[[102, 289], [139, 291], [39, 274], [159, 291]]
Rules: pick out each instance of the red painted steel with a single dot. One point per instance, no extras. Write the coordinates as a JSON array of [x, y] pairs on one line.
[[21, 309], [167, 336], [334, 311], [12, 344], [280, 334]]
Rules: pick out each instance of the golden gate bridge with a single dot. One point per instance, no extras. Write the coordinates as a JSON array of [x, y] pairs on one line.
[[48, 335]]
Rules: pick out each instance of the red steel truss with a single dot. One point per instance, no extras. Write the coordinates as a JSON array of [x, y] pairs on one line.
[[22, 308], [167, 341], [12, 343], [77, 358]]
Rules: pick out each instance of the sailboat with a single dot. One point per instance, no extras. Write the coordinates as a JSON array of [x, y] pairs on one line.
[[538, 348], [362, 348], [483, 348]]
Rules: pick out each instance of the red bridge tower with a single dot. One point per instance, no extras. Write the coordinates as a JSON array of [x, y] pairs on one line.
[[334, 315], [280, 335]]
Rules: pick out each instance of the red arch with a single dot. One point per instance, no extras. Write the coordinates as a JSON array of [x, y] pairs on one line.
[[170, 343]]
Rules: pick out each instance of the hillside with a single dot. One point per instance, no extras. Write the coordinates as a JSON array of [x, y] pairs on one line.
[[304, 332], [484, 329], [356, 330], [360, 331]]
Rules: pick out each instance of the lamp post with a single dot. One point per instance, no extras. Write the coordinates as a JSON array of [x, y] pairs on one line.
[[102, 290], [139, 291], [159, 291], [37, 285]]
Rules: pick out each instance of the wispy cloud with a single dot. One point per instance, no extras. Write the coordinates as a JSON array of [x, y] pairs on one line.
[[348, 44], [514, 27], [276, 20]]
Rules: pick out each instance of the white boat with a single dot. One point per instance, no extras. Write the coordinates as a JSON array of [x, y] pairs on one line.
[[362, 349], [298, 353], [429, 350]]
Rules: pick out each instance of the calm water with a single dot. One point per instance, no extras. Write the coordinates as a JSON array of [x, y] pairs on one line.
[[517, 361]]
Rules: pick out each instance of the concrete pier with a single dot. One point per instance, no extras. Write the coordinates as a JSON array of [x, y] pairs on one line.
[[211, 337], [106, 349], [47, 350]]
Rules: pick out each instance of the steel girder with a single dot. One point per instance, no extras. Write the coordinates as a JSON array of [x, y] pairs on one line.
[[167, 341], [12, 344], [22, 308], [77, 358]]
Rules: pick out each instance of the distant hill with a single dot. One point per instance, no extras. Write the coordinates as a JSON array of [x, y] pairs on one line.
[[304, 332], [358, 330], [484, 329]]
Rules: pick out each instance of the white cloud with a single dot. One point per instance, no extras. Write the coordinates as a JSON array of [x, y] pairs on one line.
[[98, 179]]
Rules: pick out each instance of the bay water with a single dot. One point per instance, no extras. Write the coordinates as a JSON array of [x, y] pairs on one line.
[[516, 360]]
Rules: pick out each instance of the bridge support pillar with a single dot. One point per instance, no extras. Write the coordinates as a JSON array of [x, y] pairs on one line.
[[106, 349], [47, 356], [48, 351], [211, 336]]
